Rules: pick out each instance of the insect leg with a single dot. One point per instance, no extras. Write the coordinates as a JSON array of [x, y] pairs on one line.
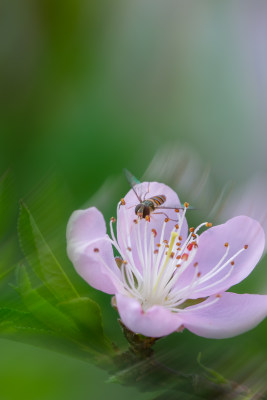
[[166, 216], [147, 190]]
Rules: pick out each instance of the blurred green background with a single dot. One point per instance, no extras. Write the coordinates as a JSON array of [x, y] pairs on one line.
[[90, 87]]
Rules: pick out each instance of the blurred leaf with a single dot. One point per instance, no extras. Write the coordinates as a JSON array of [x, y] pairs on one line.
[[41, 309], [12, 320], [41, 258], [87, 315], [212, 375], [7, 203]]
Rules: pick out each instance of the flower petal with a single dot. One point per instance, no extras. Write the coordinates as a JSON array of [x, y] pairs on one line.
[[143, 230], [237, 232], [90, 251], [157, 321], [231, 315]]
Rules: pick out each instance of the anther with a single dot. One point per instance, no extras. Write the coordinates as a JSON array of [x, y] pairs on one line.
[[176, 226], [198, 274], [154, 232], [195, 264], [178, 257], [186, 205], [158, 244], [165, 241], [246, 246], [172, 254], [124, 262], [135, 221], [112, 219], [232, 263], [129, 249], [167, 246], [178, 244], [190, 246], [194, 235], [156, 251], [180, 238], [147, 218], [122, 202], [96, 250], [226, 244], [191, 229], [218, 296], [178, 265], [167, 219], [177, 210], [208, 224], [185, 257]]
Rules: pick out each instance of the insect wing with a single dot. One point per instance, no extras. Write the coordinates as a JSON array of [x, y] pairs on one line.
[[132, 181]]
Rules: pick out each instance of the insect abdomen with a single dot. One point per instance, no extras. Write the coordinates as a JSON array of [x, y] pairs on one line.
[[158, 200]]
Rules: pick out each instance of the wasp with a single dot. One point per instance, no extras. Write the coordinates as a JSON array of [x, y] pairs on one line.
[[147, 206]]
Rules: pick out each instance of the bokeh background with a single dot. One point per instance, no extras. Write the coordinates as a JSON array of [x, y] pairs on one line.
[[174, 91]]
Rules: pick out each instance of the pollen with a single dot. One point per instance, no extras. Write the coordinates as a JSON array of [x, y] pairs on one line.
[[96, 250], [154, 232], [208, 224], [226, 244], [180, 238], [190, 246], [176, 226], [186, 204], [178, 257], [147, 218], [246, 246], [232, 263], [191, 229], [123, 202], [165, 241], [112, 219], [167, 219], [177, 210]]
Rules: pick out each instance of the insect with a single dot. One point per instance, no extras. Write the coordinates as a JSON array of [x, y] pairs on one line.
[[147, 206]]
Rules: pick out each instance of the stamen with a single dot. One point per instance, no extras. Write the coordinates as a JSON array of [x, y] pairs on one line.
[[123, 202], [173, 237]]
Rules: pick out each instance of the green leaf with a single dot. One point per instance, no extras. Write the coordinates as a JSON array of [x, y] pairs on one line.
[[11, 319], [41, 258], [211, 374], [42, 310], [87, 315]]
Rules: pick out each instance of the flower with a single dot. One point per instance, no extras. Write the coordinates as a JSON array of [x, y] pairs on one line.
[[168, 277]]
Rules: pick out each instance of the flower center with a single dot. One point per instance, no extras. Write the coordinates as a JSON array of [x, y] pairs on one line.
[[151, 269]]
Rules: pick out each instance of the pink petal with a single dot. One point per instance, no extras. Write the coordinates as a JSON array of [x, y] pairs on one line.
[[231, 315], [86, 232], [157, 321], [237, 232], [126, 216]]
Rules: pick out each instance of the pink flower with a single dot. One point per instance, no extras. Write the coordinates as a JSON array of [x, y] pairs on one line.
[[169, 278]]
